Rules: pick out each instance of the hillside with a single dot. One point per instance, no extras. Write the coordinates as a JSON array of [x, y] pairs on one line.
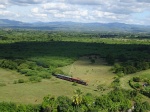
[[74, 26]]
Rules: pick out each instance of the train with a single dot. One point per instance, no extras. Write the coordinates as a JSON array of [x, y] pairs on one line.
[[71, 79]]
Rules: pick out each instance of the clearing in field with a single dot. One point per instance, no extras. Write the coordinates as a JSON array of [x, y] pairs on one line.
[[94, 73]]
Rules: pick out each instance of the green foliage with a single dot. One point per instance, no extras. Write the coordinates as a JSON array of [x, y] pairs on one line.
[[141, 84], [8, 64], [44, 75], [8, 107], [12, 107], [115, 101], [64, 104], [110, 59], [58, 71], [35, 79], [136, 79], [26, 52], [21, 81], [74, 84], [49, 104], [92, 61], [142, 107]]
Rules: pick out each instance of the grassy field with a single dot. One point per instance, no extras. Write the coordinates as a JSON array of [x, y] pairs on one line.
[[94, 74], [124, 81]]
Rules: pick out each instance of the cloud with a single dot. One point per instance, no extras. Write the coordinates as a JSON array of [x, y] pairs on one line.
[[76, 10], [8, 14], [85, 2], [35, 10], [56, 6], [148, 1], [38, 13], [27, 2], [2, 6]]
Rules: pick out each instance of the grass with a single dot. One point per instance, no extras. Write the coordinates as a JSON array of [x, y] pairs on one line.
[[124, 80], [94, 74], [125, 85]]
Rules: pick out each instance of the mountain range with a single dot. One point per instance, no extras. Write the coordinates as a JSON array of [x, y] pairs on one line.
[[75, 26]]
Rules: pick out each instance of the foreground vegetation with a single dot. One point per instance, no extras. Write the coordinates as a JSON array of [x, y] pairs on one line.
[[117, 100], [29, 58]]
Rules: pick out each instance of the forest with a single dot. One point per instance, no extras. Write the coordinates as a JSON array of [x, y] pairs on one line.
[[38, 54]]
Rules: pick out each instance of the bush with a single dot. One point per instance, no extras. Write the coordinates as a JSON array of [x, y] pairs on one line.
[[21, 81], [136, 79], [74, 84], [8, 107], [35, 79], [92, 61], [44, 75], [8, 64], [31, 73], [24, 71], [57, 71], [137, 85]]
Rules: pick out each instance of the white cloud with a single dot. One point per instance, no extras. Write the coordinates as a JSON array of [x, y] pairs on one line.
[[57, 6], [35, 10], [77, 10], [26, 2], [2, 6]]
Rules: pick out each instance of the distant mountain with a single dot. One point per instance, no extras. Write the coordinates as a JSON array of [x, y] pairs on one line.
[[75, 26], [7, 22]]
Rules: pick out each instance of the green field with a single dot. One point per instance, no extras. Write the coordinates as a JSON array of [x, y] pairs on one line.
[[125, 80], [94, 74], [27, 63]]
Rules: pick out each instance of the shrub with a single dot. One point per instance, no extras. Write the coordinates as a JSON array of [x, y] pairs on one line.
[[92, 61], [57, 71], [24, 71], [45, 75], [21, 81], [35, 79], [136, 79], [8, 64], [137, 85], [74, 84], [31, 73]]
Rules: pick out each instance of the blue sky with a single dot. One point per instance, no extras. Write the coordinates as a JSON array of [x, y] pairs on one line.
[[103, 11]]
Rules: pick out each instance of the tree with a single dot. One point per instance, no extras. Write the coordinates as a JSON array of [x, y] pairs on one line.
[[110, 59], [77, 98], [49, 104], [64, 104]]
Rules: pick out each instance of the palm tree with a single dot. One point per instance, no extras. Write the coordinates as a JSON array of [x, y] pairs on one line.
[[77, 98]]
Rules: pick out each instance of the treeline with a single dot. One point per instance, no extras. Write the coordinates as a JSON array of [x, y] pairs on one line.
[[116, 101], [38, 35], [130, 67], [35, 70]]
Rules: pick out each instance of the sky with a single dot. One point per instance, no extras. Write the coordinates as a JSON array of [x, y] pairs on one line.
[[86, 11]]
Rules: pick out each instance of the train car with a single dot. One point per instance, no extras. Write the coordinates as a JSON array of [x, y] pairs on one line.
[[71, 79]]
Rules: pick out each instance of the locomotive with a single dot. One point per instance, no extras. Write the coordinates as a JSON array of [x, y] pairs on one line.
[[71, 79]]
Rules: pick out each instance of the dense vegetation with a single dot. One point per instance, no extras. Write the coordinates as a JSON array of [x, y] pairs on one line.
[[38, 54], [141, 84], [117, 100]]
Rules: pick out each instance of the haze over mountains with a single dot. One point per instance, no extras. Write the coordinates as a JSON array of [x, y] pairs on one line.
[[75, 26]]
